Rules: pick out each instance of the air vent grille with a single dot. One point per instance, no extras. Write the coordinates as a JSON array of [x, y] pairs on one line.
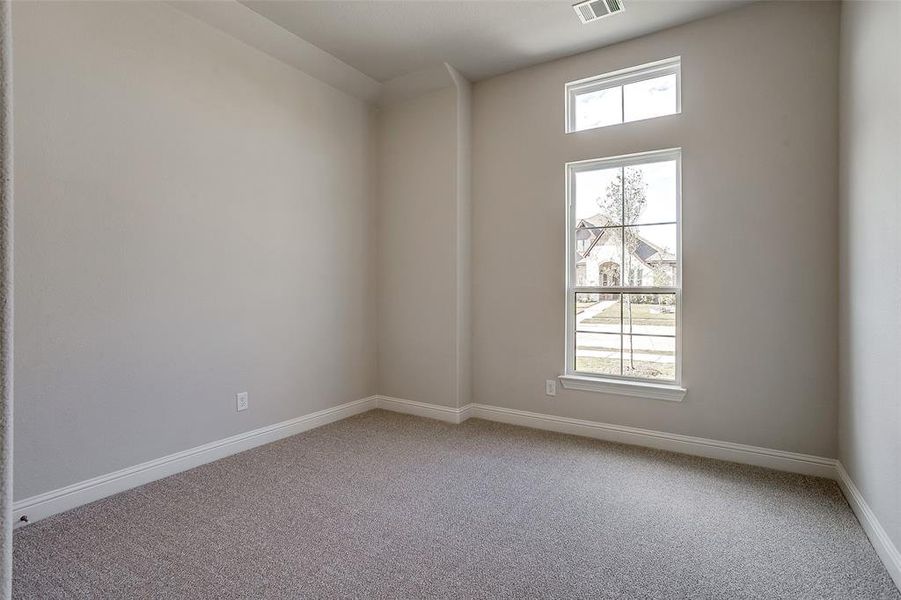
[[585, 12], [592, 10]]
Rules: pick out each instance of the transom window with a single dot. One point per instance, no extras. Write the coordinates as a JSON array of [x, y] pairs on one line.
[[624, 267], [642, 92]]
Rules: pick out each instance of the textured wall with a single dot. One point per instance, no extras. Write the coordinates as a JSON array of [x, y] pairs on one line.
[[870, 192], [6, 301], [758, 134], [195, 221]]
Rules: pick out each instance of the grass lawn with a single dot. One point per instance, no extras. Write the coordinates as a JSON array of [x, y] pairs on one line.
[[642, 314]]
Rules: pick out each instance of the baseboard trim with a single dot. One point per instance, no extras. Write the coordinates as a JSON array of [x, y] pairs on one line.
[[62, 499], [424, 409], [879, 538], [779, 460]]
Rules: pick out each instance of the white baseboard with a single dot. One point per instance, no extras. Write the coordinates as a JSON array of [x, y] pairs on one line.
[[886, 550], [424, 409], [72, 496], [779, 460], [56, 501], [62, 499]]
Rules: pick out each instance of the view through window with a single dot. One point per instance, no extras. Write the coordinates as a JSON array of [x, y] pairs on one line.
[[624, 281], [642, 92]]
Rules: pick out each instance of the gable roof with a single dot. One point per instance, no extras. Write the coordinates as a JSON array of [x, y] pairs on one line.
[[645, 251]]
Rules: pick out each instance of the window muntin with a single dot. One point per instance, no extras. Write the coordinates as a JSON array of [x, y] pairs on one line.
[[642, 92], [623, 275]]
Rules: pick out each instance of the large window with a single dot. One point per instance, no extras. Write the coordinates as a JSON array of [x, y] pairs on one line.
[[623, 268], [643, 92]]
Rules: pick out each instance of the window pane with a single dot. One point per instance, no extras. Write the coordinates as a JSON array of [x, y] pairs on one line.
[[649, 357], [650, 98], [605, 100], [598, 197], [650, 259], [599, 353], [599, 108], [651, 193], [650, 314], [599, 313], [599, 257], [624, 235]]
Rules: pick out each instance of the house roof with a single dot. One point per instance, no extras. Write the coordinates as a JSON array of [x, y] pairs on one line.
[[597, 220], [646, 251]]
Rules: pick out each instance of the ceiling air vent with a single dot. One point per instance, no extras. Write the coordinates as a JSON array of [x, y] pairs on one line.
[[592, 10]]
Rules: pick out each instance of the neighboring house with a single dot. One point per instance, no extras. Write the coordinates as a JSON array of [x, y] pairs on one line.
[[599, 248]]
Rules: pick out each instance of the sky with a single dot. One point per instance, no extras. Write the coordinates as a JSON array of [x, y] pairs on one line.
[[640, 100], [660, 178]]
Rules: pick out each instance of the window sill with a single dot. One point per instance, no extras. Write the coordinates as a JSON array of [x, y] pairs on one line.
[[656, 391]]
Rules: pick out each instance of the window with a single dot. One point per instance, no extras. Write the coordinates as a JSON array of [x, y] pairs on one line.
[[624, 269], [642, 92]]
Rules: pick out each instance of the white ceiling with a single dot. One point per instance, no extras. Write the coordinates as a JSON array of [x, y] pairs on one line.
[[385, 39]]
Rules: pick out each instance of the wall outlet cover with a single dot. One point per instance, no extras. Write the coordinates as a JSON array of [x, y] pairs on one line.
[[242, 401], [550, 387]]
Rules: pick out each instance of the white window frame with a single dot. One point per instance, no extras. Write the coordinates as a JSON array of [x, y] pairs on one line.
[[623, 77], [620, 384]]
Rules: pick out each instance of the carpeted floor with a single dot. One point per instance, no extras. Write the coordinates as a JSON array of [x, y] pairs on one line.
[[391, 506]]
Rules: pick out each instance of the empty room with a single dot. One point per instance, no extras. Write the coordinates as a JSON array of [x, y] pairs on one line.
[[450, 299]]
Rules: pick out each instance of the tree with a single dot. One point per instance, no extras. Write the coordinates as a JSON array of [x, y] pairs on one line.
[[624, 204], [625, 207]]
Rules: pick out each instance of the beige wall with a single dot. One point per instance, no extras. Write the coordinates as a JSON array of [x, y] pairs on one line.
[[463, 225], [758, 134], [870, 196], [193, 220], [417, 240]]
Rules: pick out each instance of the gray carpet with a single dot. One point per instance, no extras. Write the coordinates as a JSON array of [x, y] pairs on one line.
[[391, 506]]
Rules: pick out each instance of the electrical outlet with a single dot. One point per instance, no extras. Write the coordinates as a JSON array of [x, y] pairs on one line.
[[242, 401], [550, 387]]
